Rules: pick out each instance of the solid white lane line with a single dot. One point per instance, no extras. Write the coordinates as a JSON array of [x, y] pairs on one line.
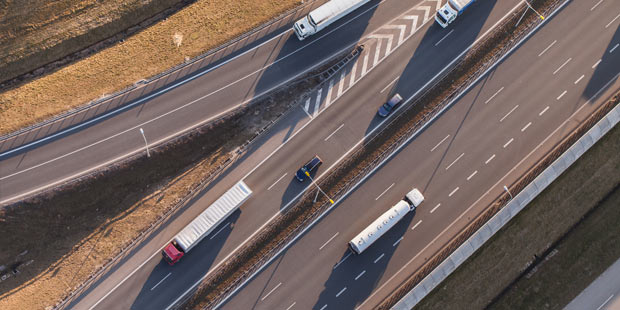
[[561, 95], [604, 303], [353, 71], [317, 103], [388, 85], [162, 280], [513, 109], [365, 65], [612, 21], [594, 7], [324, 306], [333, 132], [384, 191], [525, 127], [276, 182], [579, 79], [491, 98], [341, 84], [543, 111], [342, 260], [489, 160], [596, 64], [416, 225], [562, 66], [305, 108], [341, 291], [435, 208], [472, 175], [361, 274], [330, 239], [508, 143], [614, 48], [271, 291], [379, 258], [453, 191], [219, 231], [449, 33], [398, 241], [450, 165], [440, 142], [291, 306], [548, 47], [330, 90]]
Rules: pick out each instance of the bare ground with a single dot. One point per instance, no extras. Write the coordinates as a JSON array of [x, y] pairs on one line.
[[193, 30]]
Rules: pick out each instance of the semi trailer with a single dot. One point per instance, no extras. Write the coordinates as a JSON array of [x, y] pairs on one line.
[[324, 15], [206, 222], [448, 13]]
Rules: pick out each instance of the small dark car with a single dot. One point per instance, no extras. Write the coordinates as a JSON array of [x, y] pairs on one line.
[[308, 167], [389, 106]]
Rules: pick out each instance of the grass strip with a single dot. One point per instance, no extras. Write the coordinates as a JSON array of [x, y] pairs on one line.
[[583, 202]]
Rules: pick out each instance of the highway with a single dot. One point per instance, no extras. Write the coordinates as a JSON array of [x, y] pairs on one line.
[[143, 281], [487, 139], [602, 294], [174, 104]]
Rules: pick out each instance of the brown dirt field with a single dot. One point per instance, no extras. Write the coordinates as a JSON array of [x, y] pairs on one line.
[[36, 32], [190, 32], [532, 232], [57, 240]]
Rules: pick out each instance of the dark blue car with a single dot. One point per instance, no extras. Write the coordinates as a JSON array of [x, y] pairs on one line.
[[389, 106], [308, 167]]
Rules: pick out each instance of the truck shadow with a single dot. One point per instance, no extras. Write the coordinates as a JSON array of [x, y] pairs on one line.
[[606, 72], [361, 274], [161, 286]]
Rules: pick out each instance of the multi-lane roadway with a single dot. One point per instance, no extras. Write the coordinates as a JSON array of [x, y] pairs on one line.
[[487, 139], [335, 118]]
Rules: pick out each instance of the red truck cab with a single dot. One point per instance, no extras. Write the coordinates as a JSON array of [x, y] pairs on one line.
[[172, 253]]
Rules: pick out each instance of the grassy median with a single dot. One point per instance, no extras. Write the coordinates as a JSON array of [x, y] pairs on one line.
[[579, 209]]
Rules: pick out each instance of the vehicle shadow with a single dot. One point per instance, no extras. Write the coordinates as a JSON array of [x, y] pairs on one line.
[[435, 49], [161, 287], [361, 274], [605, 72]]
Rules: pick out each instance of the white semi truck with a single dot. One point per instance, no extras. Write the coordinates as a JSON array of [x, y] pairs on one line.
[[448, 13], [204, 224], [386, 221], [324, 15]]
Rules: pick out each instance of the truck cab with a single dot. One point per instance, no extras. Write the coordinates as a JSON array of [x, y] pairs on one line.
[[172, 253], [446, 15], [303, 28]]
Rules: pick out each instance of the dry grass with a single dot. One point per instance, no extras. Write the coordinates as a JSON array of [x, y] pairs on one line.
[[502, 259], [190, 32]]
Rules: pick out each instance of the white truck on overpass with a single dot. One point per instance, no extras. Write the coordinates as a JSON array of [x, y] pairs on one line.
[[204, 224], [448, 13], [387, 220], [324, 15]]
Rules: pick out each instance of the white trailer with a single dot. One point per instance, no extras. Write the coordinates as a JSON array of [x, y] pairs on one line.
[[324, 15], [448, 13], [208, 220], [386, 221]]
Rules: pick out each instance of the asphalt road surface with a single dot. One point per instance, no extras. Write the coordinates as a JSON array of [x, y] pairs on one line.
[[486, 140], [173, 105], [602, 294], [332, 124]]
